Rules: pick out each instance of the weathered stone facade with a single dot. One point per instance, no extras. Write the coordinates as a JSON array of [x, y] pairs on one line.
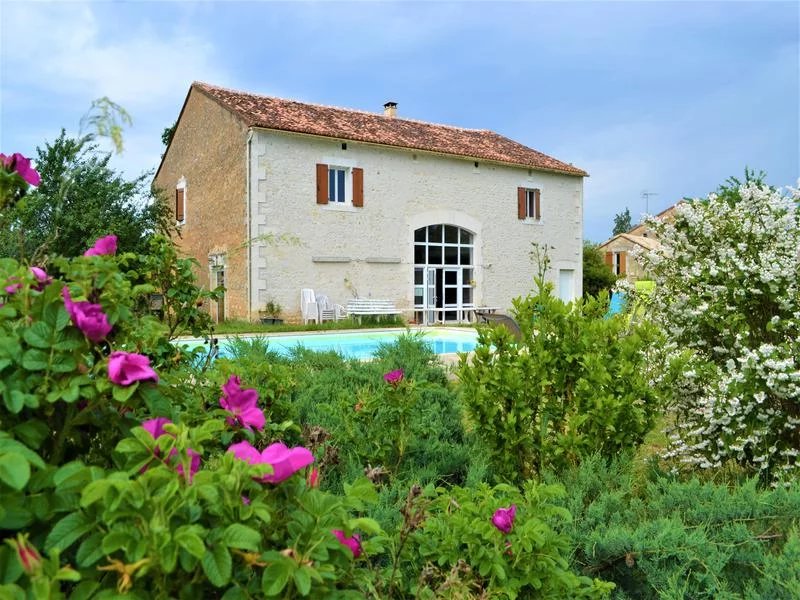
[[208, 153], [254, 210]]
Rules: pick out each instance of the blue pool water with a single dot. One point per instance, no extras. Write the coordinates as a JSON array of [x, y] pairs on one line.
[[362, 344]]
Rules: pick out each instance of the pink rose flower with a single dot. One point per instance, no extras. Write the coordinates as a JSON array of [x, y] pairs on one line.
[[41, 277], [126, 368], [87, 317], [394, 377], [284, 461], [105, 245], [313, 478], [13, 286], [353, 542], [155, 427], [22, 166], [503, 518], [242, 404]]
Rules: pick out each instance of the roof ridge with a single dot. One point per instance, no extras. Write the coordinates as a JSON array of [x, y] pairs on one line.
[[203, 84]]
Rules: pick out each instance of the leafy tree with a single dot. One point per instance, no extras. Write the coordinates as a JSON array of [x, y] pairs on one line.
[[622, 222], [727, 296], [597, 275], [166, 135], [80, 199]]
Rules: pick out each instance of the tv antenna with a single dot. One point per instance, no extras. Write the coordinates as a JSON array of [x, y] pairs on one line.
[[646, 195]]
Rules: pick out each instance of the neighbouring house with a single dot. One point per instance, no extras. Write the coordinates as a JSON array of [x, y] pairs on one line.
[[272, 196], [620, 251]]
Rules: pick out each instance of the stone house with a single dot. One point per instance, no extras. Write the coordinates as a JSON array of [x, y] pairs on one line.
[[272, 196], [620, 250]]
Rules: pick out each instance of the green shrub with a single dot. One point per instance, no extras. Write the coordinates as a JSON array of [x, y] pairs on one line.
[[575, 384], [659, 537]]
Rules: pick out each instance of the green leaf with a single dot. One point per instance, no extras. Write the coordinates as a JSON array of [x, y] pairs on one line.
[[35, 360], [95, 491], [32, 432], [64, 363], [39, 335], [84, 590], [217, 565], [276, 576], [240, 536], [365, 524], [14, 470], [90, 550], [234, 593], [187, 538], [67, 531], [123, 394], [302, 580], [9, 445]]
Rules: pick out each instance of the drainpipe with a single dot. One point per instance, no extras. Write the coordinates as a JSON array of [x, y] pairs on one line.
[[249, 230]]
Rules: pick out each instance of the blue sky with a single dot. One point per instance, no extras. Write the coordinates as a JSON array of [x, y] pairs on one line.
[[668, 97]]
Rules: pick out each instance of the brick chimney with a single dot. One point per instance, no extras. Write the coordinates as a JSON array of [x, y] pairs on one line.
[[390, 110]]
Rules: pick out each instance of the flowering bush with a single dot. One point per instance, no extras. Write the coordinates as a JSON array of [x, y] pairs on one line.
[[727, 295]]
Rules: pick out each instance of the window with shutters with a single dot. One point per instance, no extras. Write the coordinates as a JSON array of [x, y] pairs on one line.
[[340, 186], [180, 202], [529, 204]]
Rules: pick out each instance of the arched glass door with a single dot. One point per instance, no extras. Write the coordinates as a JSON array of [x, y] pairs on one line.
[[443, 274]]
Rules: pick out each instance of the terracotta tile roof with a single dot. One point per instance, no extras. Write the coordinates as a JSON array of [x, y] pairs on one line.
[[645, 242], [299, 117]]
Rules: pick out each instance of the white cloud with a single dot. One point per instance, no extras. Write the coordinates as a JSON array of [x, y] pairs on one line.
[[67, 52]]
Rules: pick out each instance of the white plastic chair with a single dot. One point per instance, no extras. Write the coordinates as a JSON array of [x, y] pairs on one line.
[[308, 306]]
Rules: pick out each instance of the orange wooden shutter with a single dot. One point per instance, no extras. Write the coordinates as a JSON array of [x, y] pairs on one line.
[[537, 204], [179, 212], [610, 259], [622, 268], [322, 184], [521, 209], [358, 187]]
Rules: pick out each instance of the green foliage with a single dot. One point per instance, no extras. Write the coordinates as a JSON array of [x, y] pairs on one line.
[[574, 385], [461, 554], [655, 536], [170, 280], [622, 222], [81, 198], [597, 275]]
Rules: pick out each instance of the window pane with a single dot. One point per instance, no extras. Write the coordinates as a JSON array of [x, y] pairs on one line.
[[434, 255], [450, 295], [450, 234], [466, 237], [451, 255], [435, 233], [466, 256], [418, 276], [419, 234], [418, 295], [451, 277], [340, 186], [466, 276], [467, 295], [419, 255], [332, 184]]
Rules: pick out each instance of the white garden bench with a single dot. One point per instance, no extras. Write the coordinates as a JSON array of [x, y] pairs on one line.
[[359, 307]]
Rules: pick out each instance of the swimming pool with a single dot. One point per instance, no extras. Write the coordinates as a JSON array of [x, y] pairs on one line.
[[362, 344]]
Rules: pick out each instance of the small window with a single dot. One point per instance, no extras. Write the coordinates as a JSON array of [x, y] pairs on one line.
[[180, 202], [532, 206], [337, 178], [529, 204]]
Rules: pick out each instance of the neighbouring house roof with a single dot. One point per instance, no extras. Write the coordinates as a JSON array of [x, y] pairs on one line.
[[664, 215], [299, 117], [645, 242]]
